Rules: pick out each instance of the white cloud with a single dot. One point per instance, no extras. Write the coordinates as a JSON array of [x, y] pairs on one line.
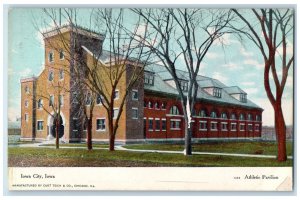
[[251, 91], [246, 53], [211, 55], [14, 51], [289, 49], [231, 66], [248, 83], [268, 113], [220, 77], [25, 72], [289, 82], [13, 113], [254, 63]]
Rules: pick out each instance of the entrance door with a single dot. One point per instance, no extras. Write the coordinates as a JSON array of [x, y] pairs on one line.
[[60, 128]]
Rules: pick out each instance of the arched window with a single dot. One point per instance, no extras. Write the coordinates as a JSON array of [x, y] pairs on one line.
[[150, 104], [213, 114], [250, 118], [174, 110], [232, 116], [163, 105], [145, 104], [203, 113], [242, 117], [156, 105], [224, 115]]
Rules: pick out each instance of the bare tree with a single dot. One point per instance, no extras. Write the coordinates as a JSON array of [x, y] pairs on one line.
[[187, 33], [275, 25]]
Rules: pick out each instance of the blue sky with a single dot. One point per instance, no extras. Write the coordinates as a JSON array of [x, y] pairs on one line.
[[237, 64]]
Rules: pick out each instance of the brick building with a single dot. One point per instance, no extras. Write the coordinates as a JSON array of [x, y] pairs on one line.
[[152, 111]]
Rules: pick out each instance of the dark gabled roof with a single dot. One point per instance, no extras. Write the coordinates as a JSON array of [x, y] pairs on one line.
[[161, 86]]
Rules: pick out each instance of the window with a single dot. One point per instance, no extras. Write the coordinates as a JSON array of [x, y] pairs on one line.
[[145, 104], [217, 92], [149, 79], [75, 124], [232, 116], [202, 113], [243, 98], [233, 126], [163, 124], [150, 104], [150, 127], [163, 105], [214, 126], [116, 94], [135, 113], [26, 103], [61, 74], [256, 127], [40, 125], [51, 100], [156, 105], [224, 126], [224, 116], [100, 126], [26, 89], [134, 95], [26, 117], [242, 127], [157, 124], [175, 124], [40, 104], [88, 99], [61, 55], [174, 110], [242, 117], [250, 127], [61, 100], [183, 85], [51, 56], [257, 118], [99, 99], [115, 113], [203, 125], [213, 114], [250, 118], [51, 76]]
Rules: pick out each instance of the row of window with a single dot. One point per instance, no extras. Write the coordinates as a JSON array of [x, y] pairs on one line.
[[224, 126], [51, 55], [61, 75], [157, 105]]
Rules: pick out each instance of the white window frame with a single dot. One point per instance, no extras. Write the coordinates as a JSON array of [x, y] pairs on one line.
[[157, 119], [137, 112], [149, 123], [250, 125], [101, 130], [175, 120], [26, 103], [214, 122], [74, 118], [233, 123], [116, 97], [165, 120], [51, 52], [222, 126], [132, 96], [202, 122], [256, 125], [115, 116], [37, 125], [26, 117], [241, 125]]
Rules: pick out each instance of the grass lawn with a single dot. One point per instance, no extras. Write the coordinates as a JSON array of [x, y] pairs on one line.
[[45, 157], [264, 148], [78, 145]]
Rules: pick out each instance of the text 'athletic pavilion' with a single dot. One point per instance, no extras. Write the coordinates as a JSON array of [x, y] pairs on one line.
[[152, 111]]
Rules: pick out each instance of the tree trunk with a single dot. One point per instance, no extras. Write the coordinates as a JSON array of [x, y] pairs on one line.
[[56, 133], [187, 133], [112, 142], [89, 134], [280, 133]]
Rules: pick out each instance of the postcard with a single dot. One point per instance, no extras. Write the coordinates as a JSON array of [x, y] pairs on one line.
[[150, 99]]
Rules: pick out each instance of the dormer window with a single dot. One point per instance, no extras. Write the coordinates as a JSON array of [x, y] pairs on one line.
[[149, 79], [184, 85], [243, 98], [217, 92]]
